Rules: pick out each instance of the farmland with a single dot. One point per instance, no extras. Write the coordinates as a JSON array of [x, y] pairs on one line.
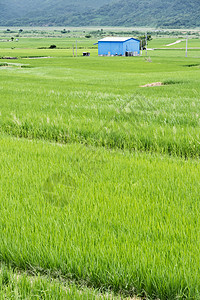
[[99, 175]]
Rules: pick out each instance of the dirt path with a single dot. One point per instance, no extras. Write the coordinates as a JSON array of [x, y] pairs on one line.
[[177, 42], [152, 84]]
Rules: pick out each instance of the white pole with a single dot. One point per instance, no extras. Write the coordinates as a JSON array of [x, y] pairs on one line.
[[76, 48], [146, 43], [186, 50]]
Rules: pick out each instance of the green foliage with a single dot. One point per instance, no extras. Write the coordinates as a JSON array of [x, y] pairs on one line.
[[111, 219], [58, 113], [154, 13], [15, 284], [65, 31], [144, 40], [88, 36], [99, 176], [52, 47]]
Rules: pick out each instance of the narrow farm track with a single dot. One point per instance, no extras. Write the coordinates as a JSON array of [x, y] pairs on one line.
[[177, 42]]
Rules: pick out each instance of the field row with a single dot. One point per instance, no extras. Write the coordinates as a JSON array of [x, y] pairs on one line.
[[69, 42], [93, 102], [110, 219], [95, 188], [17, 284]]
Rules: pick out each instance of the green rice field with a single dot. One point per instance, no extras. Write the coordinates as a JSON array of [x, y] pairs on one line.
[[99, 175]]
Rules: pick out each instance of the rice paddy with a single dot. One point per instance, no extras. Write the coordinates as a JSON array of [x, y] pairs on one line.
[[99, 176]]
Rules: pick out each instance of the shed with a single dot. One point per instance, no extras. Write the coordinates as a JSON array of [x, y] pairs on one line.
[[126, 46]]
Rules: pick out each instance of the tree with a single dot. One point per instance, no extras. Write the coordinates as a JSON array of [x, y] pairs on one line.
[[88, 36], [143, 41], [52, 47]]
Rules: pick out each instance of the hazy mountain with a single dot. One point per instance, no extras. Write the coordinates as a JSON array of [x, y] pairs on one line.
[[165, 13], [44, 12], [160, 13]]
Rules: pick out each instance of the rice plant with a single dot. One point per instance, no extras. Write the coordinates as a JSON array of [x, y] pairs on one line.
[[99, 193]]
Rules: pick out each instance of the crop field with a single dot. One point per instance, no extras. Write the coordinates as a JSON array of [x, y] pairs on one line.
[[165, 42], [99, 175]]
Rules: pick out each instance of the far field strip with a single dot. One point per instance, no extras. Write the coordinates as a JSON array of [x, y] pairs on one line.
[[189, 48]]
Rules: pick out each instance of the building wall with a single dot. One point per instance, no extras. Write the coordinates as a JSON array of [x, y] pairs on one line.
[[119, 48], [132, 46], [110, 48]]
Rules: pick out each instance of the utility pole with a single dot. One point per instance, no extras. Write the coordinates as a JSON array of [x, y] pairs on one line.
[[146, 43], [186, 48], [76, 48]]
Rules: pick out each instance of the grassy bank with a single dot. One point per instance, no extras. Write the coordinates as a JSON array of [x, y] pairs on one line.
[[16, 284], [110, 219]]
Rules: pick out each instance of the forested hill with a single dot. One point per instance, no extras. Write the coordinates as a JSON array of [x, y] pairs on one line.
[[155, 13], [45, 12], [158, 13]]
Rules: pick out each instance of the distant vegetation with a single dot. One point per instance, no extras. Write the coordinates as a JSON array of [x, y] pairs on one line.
[[157, 13]]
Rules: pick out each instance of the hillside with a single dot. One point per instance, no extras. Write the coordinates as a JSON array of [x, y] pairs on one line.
[[157, 13], [45, 12]]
